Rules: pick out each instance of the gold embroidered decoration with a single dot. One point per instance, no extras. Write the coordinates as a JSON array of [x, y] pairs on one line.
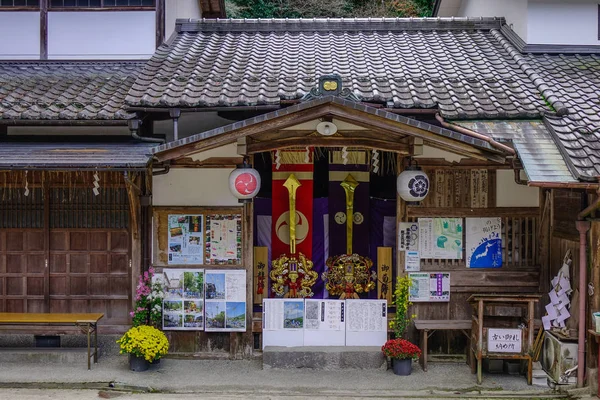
[[293, 272], [349, 274]]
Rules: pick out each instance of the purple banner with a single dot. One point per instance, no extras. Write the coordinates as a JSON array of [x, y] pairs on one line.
[[337, 209]]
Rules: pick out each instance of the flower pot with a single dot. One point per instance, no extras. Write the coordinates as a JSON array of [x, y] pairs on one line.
[[402, 366], [138, 364]]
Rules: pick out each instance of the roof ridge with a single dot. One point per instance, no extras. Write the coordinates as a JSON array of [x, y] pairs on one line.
[[337, 24], [538, 81]]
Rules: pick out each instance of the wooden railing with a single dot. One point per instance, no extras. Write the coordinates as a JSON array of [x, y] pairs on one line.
[[520, 234]]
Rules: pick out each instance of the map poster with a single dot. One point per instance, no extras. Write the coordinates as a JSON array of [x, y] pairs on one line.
[[441, 238], [186, 239], [225, 300], [224, 239], [183, 304], [408, 236], [484, 242], [412, 261], [429, 287]]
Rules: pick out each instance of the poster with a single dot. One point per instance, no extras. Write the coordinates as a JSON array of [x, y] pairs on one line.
[[225, 300], [484, 242], [324, 315], [429, 286], [441, 238], [223, 239], [283, 314], [408, 236], [183, 304], [186, 239], [366, 315], [412, 261]]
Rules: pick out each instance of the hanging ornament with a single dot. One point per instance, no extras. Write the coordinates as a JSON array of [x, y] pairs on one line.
[[244, 182], [26, 193], [345, 155], [307, 155], [277, 159], [412, 184], [96, 188], [375, 160]]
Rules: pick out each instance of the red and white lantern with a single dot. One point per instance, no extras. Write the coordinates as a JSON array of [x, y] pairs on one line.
[[244, 182]]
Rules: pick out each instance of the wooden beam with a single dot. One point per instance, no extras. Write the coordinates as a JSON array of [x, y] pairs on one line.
[[332, 141], [160, 22], [43, 29], [465, 163], [416, 211], [212, 162]]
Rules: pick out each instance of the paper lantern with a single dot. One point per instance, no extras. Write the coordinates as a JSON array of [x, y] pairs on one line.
[[244, 182], [412, 184]]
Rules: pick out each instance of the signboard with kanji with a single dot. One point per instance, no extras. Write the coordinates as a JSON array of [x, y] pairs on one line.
[[504, 340]]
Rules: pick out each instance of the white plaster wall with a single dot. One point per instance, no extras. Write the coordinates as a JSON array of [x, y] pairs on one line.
[[433, 152], [511, 194], [101, 35], [180, 9], [19, 35], [449, 8], [563, 22], [193, 187], [515, 12]]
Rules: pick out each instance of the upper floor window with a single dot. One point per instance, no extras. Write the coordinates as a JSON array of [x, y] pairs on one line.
[[100, 3], [20, 3]]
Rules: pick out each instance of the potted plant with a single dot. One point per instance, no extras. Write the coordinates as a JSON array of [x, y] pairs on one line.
[[401, 351], [144, 344]]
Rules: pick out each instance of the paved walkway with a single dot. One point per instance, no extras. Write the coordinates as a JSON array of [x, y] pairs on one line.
[[246, 378]]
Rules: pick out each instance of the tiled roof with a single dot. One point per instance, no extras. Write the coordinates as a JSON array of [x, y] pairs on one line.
[[575, 80], [75, 155], [65, 90], [457, 65], [538, 152]]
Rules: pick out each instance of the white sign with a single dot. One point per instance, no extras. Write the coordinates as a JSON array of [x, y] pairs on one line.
[[225, 300], [429, 286], [441, 238], [504, 340], [484, 242], [324, 315], [366, 322], [186, 241], [408, 236], [412, 261], [283, 322]]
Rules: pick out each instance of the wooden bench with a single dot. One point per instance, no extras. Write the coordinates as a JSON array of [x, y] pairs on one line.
[[428, 327], [87, 322]]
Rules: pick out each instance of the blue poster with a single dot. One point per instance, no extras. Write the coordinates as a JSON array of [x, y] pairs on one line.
[[484, 242]]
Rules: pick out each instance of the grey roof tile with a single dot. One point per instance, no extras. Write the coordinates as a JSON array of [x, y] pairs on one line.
[[457, 65], [35, 90]]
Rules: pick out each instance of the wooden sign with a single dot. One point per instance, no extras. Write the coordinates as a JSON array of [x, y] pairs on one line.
[[385, 285], [504, 340], [261, 260]]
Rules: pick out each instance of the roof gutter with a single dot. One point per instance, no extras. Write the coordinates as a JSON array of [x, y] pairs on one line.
[[476, 135], [565, 185], [63, 122]]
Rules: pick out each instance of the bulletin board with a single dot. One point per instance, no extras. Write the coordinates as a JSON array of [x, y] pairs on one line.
[[198, 236]]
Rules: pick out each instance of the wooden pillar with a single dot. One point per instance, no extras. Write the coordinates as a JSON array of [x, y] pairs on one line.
[[594, 300], [135, 257], [401, 216], [544, 243], [242, 343]]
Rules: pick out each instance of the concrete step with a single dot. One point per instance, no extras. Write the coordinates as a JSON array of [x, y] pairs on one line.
[[44, 355], [326, 358]]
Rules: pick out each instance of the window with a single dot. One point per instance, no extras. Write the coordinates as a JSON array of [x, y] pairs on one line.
[[100, 3], [20, 3]]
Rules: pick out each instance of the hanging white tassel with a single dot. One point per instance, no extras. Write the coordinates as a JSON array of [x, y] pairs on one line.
[[307, 156], [277, 159], [26, 193], [345, 155], [96, 184], [375, 160]]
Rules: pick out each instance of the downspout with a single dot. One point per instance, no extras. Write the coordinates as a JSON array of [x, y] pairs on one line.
[[134, 126], [175, 113], [582, 227], [474, 134]]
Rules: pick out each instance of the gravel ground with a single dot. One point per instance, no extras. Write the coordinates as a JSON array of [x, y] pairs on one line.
[[220, 377]]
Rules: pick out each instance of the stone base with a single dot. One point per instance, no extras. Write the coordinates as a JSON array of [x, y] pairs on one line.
[[45, 355], [326, 358]]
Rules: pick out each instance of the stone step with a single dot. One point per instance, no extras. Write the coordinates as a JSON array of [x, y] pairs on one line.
[[326, 358], [44, 355]]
